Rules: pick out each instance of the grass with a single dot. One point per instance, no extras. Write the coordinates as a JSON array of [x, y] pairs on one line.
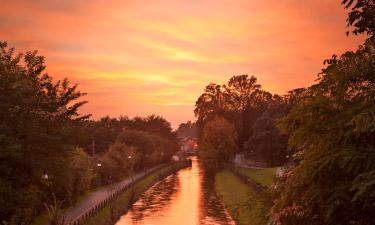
[[43, 219], [240, 199], [110, 214], [262, 176]]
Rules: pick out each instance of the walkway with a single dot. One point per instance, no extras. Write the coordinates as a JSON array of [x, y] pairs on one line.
[[100, 195]]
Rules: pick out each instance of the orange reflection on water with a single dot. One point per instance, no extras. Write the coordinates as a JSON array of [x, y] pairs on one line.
[[178, 199]]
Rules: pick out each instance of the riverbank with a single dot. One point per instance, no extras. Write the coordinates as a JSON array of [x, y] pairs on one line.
[[112, 212], [262, 176], [243, 201]]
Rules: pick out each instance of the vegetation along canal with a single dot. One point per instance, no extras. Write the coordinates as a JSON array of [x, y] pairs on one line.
[[186, 197]]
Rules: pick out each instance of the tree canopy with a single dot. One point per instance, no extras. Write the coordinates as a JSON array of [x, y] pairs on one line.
[[218, 143], [37, 121], [332, 129], [361, 16], [244, 104], [42, 133], [241, 101], [187, 129]]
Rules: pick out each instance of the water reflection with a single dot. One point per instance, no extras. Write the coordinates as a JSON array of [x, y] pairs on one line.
[[212, 210], [182, 198], [155, 199]]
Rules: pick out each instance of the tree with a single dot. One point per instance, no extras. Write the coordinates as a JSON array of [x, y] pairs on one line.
[[267, 144], [153, 149], [241, 101], [249, 101], [104, 131], [361, 16], [218, 143], [333, 128], [38, 120], [82, 173], [243, 90], [187, 129], [213, 102], [152, 124], [118, 162]]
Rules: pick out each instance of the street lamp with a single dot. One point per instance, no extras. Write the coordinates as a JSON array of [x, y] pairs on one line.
[[99, 164], [45, 175], [132, 168]]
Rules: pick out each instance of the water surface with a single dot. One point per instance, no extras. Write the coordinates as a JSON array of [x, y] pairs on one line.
[[184, 198]]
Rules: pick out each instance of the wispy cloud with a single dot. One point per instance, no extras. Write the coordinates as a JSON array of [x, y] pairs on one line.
[[141, 57]]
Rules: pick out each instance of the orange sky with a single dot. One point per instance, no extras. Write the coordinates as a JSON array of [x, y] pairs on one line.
[[144, 57]]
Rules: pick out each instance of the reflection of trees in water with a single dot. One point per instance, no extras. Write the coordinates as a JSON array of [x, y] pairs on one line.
[[212, 210], [156, 199]]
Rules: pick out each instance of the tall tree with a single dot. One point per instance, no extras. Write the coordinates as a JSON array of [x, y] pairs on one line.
[[218, 143], [38, 118], [241, 101], [187, 129], [211, 103], [361, 16], [333, 127]]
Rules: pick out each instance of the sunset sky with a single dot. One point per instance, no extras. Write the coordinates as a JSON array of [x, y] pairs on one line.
[[144, 57]]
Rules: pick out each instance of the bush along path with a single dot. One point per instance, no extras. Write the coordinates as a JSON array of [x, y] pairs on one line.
[[100, 199]]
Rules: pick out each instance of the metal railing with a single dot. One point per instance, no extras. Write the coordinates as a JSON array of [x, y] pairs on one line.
[[94, 209]]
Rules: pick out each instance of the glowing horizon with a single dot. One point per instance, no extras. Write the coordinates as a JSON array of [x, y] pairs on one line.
[[141, 57]]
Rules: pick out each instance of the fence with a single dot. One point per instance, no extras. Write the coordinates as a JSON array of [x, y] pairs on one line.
[[246, 179], [95, 209]]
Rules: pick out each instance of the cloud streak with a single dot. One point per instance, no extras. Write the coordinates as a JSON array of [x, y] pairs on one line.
[[141, 57]]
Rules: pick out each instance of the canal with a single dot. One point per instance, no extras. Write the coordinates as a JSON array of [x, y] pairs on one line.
[[186, 197]]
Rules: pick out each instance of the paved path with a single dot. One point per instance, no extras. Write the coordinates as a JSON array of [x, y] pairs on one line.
[[241, 161], [98, 196]]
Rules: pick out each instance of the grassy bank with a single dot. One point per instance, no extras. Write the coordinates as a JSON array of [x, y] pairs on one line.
[[110, 214], [264, 176], [241, 200]]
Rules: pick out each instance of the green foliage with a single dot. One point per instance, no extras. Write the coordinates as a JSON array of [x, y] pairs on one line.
[[361, 16], [133, 150], [267, 144], [53, 210], [240, 101], [82, 173], [187, 129], [42, 131], [118, 162], [152, 124], [152, 148], [218, 143], [333, 128], [244, 104], [105, 131], [38, 118]]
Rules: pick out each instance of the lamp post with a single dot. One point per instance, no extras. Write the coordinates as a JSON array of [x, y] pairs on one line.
[[132, 168], [45, 174]]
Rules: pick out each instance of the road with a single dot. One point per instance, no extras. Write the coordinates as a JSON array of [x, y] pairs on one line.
[[100, 195]]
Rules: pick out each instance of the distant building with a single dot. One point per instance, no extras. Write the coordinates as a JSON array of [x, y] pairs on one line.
[[188, 145], [175, 158]]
